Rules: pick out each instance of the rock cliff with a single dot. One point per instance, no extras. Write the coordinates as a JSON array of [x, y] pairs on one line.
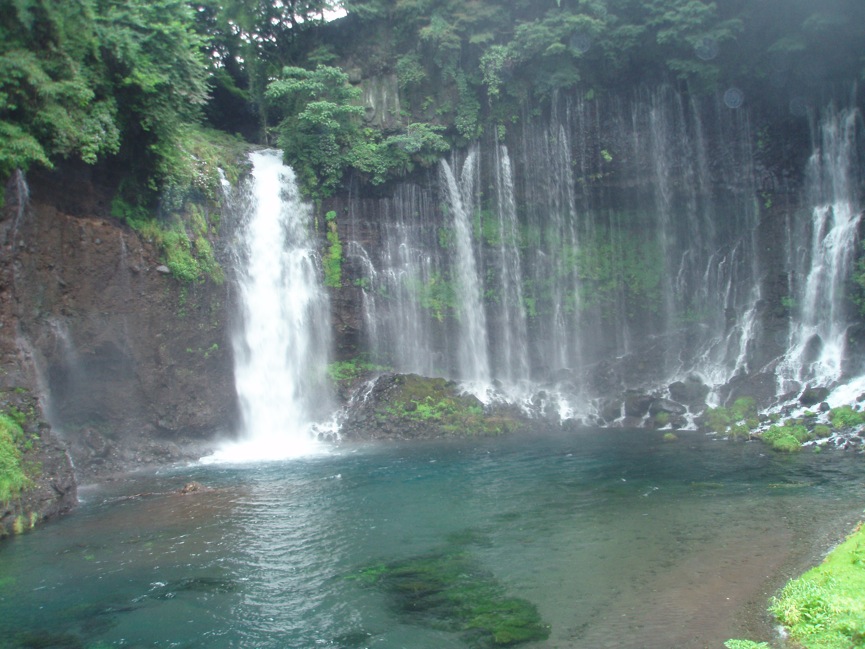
[[132, 365]]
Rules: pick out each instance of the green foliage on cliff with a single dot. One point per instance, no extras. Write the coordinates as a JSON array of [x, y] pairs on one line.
[[333, 255], [187, 217], [13, 477], [105, 80]]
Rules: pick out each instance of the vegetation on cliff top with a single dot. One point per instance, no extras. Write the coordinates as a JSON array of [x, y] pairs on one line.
[[103, 81]]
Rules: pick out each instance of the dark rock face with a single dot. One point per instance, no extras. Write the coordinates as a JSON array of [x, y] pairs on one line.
[[136, 364]]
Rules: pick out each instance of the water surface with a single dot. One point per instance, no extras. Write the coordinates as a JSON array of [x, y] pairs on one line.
[[618, 538]]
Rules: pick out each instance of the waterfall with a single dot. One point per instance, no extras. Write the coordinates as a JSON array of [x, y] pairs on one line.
[[281, 348], [472, 352], [607, 246], [821, 264], [397, 278], [511, 352]]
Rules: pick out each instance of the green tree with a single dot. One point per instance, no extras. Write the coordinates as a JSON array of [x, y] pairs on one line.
[[87, 79], [53, 102], [152, 60], [321, 134]]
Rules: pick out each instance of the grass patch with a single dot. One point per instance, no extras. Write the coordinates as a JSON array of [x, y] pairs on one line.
[[737, 421], [825, 607], [845, 417]]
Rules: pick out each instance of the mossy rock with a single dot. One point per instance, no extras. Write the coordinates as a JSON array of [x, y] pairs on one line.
[[408, 406]]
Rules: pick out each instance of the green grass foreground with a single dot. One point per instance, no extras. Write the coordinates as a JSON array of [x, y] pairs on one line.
[[825, 607]]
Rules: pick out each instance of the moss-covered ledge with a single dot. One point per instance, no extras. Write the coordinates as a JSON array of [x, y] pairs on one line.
[[36, 479], [408, 406]]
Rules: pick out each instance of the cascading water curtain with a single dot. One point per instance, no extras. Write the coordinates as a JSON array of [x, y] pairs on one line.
[[827, 238]]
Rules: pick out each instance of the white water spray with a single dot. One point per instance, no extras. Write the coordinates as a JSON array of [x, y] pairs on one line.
[[282, 347]]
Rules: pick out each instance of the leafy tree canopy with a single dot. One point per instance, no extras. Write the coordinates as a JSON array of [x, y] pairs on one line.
[[321, 134], [87, 79]]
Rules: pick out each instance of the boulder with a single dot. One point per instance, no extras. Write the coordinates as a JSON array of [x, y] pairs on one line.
[[637, 404], [812, 396], [692, 391]]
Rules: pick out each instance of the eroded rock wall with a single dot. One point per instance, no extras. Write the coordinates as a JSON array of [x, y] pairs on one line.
[[134, 365]]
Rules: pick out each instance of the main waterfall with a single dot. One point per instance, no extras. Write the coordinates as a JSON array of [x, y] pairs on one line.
[[281, 347]]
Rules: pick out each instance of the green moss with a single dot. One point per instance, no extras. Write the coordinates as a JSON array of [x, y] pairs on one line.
[[737, 420], [788, 437], [13, 476], [824, 608], [846, 417], [351, 369], [448, 589], [333, 256]]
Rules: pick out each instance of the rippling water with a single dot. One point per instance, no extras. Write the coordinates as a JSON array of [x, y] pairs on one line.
[[619, 538]]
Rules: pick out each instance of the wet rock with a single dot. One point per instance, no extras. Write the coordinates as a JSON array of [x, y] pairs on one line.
[[666, 406], [637, 404], [692, 391], [761, 387], [611, 410], [192, 487], [812, 396]]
